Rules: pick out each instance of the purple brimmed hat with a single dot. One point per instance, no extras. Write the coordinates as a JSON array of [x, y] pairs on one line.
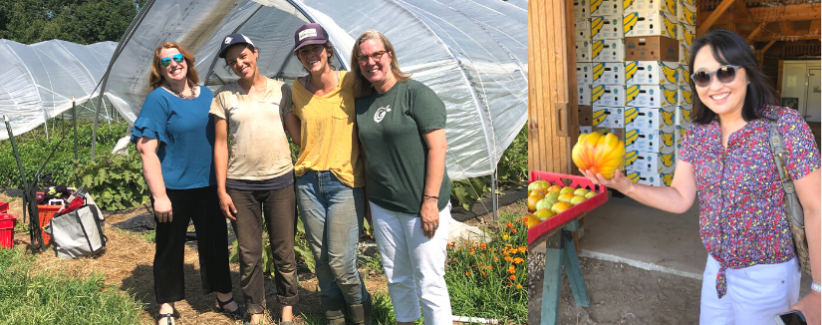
[[232, 39], [309, 34]]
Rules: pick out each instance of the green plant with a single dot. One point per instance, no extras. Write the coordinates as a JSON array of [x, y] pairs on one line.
[[300, 248], [468, 191], [372, 263], [115, 181], [30, 294], [513, 166]]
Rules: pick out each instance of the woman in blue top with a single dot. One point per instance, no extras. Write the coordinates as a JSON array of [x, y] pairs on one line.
[[175, 137]]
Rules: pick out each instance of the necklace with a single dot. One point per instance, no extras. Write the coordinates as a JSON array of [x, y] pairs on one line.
[[179, 94]]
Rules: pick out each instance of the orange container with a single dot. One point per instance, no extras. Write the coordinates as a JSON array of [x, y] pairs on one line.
[[46, 213], [7, 223]]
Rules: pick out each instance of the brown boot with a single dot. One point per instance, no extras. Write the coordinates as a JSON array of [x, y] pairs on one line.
[[334, 307], [360, 314]]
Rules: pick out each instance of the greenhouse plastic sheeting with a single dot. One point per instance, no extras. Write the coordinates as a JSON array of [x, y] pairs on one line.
[[472, 53], [38, 80]]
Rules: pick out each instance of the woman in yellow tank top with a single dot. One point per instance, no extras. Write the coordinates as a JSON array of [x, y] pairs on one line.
[[329, 174]]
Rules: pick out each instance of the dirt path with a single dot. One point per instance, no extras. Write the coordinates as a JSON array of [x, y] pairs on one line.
[[621, 294]]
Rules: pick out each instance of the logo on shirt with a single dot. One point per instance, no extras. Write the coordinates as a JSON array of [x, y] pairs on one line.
[[380, 114]]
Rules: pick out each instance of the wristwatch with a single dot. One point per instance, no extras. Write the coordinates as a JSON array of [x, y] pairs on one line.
[[816, 287]]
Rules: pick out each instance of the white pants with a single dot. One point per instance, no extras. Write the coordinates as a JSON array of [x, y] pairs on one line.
[[414, 264], [755, 294]]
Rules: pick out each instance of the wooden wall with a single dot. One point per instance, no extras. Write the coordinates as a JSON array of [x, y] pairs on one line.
[[552, 105]]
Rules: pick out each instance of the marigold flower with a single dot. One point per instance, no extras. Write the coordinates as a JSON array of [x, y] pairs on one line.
[[483, 274], [483, 246], [514, 231], [505, 236], [509, 225], [525, 220], [507, 245], [490, 267], [473, 246], [508, 258], [519, 286], [471, 252], [513, 277], [523, 249], [505, 253], [454, 260], [468, 273], [512, 270], [510, 284], [518, 260], [466, 243]]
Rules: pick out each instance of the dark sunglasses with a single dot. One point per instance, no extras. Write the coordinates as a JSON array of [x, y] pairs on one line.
[[377, 56], [725, 74], [167, 60]]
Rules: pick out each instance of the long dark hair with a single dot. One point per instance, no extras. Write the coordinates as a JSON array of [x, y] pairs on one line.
[[728, 48]]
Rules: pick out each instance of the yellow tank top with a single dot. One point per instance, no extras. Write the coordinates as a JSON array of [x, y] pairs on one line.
[[328, 134]]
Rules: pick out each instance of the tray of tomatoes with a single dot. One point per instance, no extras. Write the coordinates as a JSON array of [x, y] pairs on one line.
[[556, 199]]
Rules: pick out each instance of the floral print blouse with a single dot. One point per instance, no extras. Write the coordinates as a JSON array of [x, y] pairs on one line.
[[742, 219]]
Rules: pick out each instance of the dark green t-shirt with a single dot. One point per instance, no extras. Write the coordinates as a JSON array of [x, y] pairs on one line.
[[391, 127]]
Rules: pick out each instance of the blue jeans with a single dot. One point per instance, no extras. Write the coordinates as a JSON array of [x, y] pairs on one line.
[[332, 213]]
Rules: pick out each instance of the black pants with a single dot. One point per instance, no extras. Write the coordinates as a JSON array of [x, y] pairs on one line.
[[203, 207], [279, 209]]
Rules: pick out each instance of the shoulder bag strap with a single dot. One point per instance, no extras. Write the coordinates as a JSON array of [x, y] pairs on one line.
[[779, 151]]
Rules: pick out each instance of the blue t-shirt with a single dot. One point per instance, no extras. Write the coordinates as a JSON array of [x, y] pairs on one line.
[[186, 134]]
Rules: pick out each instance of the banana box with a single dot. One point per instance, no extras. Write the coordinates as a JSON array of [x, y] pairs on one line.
[[584, 50], [608, 95], [651, 119], [582, 29], [607, 7], [607, 27], [650, 179], [683, 114], [686, 12], [662, 140], [684, 54], [680, 133], [686, 95], [652, 48], [582, 9], [585, 115], [612, 50], [585, 74], [609, 73], [685, 33], [651, 73], [585, 129], [584, 95], [608, 117], [650, 162], [684, 75], [651, 96], [649, 23], [669, 6]]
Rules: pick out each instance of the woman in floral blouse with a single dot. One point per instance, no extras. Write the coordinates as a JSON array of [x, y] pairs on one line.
[[751, 274]]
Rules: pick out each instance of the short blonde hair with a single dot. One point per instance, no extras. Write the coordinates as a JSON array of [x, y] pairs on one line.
[[361, 86], [156, 77]]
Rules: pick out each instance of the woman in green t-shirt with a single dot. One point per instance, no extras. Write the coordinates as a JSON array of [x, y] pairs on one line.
[[401, 125]]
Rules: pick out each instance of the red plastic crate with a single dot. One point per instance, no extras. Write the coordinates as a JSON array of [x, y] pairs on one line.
[[4, 207], [7, 223], [46, 213], [560, 219]]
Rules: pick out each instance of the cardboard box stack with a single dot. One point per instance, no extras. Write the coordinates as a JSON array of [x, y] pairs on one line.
[[653, 82], [686, 16]]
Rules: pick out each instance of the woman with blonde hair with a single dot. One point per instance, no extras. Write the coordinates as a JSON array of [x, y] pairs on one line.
[[401, 124], [174, 135]]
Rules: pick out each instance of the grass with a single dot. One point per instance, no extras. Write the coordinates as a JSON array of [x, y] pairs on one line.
[[383, 312], [30, 296]]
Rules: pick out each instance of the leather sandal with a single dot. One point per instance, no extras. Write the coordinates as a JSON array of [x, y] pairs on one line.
[[236, 313], [168, 317]]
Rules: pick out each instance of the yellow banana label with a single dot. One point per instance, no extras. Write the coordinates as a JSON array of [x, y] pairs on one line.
[[595, 4], [670, 95], [598, 46], [690, 16], [597, 93], [671, 74], [630, 70], [668, 178], [687, 95], [670, 26], [685, 75], [630, 157], [630, 114], [631, 93], [599, 116], [686, 115], [631, 137], [633, 176], [668, 117], [687, 36], [599, 69], [668, 159], [667, 138], [629, 21], [626, 4], [596, 24], [671, 5]]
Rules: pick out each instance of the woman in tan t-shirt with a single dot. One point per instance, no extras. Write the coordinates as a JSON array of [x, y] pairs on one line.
[[255, 175]]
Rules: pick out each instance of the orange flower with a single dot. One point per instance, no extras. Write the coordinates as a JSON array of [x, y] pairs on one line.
[[514, 231], [454, 260], [509, 259], [523, 249], [505, 253], [468, 273], [519, 286], [513, 277], [473, 246], [512, 270], [525, 220], [507, 245], [509, 225], [510, 284], [466, 243], [471, 252], [483, 274], [490, 267], [483, 246], [518, 260]]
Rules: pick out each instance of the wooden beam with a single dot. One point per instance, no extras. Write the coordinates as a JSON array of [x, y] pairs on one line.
[[814, 29], [755, 32], [767, 46], [706, 25], [741, 7], [797, 12], [788, 38], [760, 57]]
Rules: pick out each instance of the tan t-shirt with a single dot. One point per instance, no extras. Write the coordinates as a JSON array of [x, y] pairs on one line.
[[258, 146]]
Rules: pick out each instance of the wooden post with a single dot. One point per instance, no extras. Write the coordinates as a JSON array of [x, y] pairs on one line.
[[755, 32], [552, 105], [706, 25]]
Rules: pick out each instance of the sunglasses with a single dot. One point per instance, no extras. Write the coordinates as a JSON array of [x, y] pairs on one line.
[[725, 74], [165, 62], [377, 56]]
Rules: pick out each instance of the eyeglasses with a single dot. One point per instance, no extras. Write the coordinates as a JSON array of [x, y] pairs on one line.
[[165, 62], [377, 56], [725, 74]]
